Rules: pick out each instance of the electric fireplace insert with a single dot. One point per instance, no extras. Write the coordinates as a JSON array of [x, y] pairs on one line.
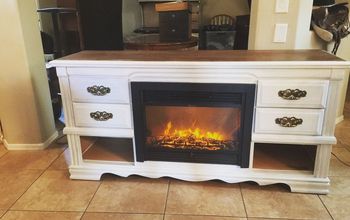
[[193, 122]]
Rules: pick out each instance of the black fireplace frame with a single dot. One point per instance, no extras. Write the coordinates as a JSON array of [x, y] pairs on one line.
[[193, 94]]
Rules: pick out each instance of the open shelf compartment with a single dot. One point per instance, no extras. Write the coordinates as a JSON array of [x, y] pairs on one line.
[[284, 157], [107, 149]]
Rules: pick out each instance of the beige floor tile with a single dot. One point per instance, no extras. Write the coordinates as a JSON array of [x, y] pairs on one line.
[[337, 168], [54, 191], [340, 186], [131, 195], [205, 198], [38, 159], [347, 104], [62, 162], [342, 132], [271, 219], [3, 150], [119, 216], [2, 212], [276, 202], [199, 217], [338, 206], [30, 215], [342, 154], [338, 200], [13, 183]]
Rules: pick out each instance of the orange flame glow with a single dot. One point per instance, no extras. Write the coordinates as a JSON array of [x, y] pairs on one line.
[[196, 133]]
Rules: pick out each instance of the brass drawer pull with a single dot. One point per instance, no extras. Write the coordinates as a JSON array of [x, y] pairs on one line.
[[101, 116], [292, 94], [99, 90], [289, 122]]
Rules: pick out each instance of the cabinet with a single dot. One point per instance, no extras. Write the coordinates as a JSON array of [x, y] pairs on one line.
[[293, 121]]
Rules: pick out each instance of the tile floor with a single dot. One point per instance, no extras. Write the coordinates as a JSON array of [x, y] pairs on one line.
[[35, 185]]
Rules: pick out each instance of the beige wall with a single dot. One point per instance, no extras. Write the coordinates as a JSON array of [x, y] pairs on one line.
[[25, 107], [298, 18], [344, 53]]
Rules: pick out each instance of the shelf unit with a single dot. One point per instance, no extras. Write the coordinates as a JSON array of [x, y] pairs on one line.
[[112, 150], [291, 138], [284, 157]]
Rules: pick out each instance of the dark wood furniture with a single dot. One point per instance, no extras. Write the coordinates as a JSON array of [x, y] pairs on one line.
[[174, 22], [60, 38], [152, 42], [101, 24], [205, 55]]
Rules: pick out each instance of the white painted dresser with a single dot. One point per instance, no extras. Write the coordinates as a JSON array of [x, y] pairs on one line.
[[294, 112]]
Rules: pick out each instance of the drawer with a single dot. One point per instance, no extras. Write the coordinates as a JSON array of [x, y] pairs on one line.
[[281, 121], [292, 93], [99, 90], [102, 115]]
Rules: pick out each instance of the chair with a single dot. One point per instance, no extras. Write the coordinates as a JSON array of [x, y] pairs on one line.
[[222, 19]]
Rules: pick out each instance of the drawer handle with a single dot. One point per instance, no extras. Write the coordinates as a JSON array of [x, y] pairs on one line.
[[292, 94], [101, 116], [98, 90], [289, 122]]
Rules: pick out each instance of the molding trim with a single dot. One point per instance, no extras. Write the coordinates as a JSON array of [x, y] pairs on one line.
[[339, 119], [39, 146]]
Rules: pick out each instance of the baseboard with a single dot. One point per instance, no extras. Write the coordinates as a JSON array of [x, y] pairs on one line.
[[339, 119], [39, 146]]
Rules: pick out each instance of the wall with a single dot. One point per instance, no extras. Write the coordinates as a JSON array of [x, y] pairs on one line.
[[210, 8], [132, 17], [344, 53], [298, 18], [299, 35], [25, 107]]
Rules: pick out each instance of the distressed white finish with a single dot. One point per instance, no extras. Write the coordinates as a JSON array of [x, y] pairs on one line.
[[121, 115], [320, 79], [312, 121], [316, 96], [118, 89]]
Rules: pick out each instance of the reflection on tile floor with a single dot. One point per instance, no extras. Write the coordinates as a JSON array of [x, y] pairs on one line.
[[36, 185]]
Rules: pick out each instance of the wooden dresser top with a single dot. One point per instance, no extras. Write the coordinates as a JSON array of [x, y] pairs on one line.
[[205, 55]]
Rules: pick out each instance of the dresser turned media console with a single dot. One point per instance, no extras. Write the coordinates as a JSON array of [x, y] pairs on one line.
[[262, 116]]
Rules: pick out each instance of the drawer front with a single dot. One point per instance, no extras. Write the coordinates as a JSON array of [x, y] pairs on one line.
[[289, 121], [292, 93], [100, 90], [102, 115]]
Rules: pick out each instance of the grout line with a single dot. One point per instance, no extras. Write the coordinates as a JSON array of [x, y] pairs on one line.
[[219, 216], [4, 154], [342, 162], [245, 208], [99, 185], [324, 205], [49, 211], [52, 162], [167, 196], [43, 171], [126, 213]]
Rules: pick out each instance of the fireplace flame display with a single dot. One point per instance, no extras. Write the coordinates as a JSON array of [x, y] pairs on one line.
[[196, 134], [194, 138]]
